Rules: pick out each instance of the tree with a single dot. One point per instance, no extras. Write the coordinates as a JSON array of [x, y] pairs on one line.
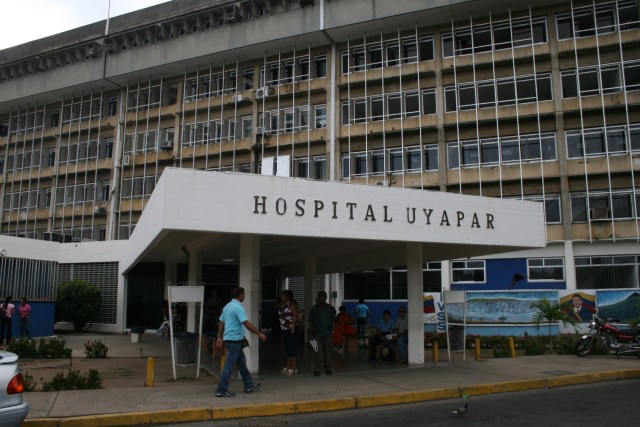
[[550, 312], [79, 302]]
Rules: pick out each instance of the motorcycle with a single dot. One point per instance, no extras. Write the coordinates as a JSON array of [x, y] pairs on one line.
[[615, 339]]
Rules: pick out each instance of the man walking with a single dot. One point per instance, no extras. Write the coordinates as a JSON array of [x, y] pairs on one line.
[[231, 332], [321, 328]]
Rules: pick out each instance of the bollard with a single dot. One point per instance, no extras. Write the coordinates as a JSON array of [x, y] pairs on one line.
[[477, 348], [151, 368], [435, 353], [512, 348]]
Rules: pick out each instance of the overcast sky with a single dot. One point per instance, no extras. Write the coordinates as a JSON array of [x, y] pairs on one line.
[[24, 20]]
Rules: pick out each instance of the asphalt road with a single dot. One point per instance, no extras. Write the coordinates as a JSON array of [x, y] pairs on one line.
[[607, 403]]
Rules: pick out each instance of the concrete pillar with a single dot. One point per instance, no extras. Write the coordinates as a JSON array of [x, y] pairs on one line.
[[415, 303], [249, 278], [445, 275], [310, 273], [569, 265], [194, 277]]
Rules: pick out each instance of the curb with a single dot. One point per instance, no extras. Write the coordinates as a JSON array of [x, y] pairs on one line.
[[325, 405]]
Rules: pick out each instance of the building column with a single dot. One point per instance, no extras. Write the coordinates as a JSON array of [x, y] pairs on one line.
[[445, 275], [310, 273], [249, 278], [194, 277], [569, 265], [415, 303]]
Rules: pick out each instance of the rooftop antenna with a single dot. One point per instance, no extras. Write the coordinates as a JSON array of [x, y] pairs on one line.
[[106, 28]]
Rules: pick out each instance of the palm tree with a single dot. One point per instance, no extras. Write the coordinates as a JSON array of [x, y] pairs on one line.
[[550, 312]]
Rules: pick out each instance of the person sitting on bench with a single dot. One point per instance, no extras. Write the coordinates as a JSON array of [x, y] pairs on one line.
[[385, 327]]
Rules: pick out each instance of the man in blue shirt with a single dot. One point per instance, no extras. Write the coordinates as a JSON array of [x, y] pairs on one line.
[[231, 326], [385, 327]]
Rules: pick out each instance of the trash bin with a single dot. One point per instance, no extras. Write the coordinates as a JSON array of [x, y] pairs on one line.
[[186, 345], [456, 337], [136, 334]]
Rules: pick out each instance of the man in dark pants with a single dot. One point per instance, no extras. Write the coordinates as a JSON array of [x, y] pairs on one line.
[[231, 331], [321, 329]]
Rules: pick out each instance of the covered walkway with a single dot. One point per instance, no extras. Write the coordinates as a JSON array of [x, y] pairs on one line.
[[307, 227]]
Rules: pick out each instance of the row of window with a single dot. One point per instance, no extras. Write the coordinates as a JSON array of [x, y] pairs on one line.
[[68, 195], [217, 84], [499, 92], [394, 105], [601, 79], [389, 53], [292, 70], [147, 141], [492, 151], [502, 150], [603, 18], [391, 160], [76, 152], [605, 206]]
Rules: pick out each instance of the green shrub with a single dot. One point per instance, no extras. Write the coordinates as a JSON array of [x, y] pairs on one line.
[[51, 348], [95, 350], [29, 383], [78, 302], [501, 352], [24, 348], [535, 345], [74, 380]]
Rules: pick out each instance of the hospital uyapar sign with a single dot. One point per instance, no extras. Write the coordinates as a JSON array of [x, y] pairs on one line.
[[369, 212]]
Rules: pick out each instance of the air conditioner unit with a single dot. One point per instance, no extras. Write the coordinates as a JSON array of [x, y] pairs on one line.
[[126, 159], [261, 130], [263, 91], [599, 214], [100, 210], [237, 98], [166, 145], [232, 14]]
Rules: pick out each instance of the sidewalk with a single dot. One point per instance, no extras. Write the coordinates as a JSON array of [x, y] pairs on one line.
[[356, 383]]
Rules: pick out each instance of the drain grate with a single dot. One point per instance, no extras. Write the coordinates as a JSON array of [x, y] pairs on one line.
[[263, 422], [557, 372]]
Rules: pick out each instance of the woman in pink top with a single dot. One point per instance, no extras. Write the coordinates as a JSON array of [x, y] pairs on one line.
[[24, 312], [6, 317]]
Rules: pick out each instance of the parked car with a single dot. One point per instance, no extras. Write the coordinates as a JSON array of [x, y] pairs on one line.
[[13, 409]]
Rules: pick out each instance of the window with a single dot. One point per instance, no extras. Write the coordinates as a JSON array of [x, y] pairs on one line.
[[468, 271], [595, 142], [412, 161], [529, 89], [247, 126], [584, 23], [553, 213], [321, 65], [608, 272], [604, 206], [545, 269], [499, 35], [528, 148]]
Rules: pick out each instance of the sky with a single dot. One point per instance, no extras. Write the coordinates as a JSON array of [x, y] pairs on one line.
[[26, 20]]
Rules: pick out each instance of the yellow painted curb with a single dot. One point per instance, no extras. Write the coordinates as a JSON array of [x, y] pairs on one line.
[[41, 422], [139, 418], [592, 377], [326, 405], [260, 410], [288, 408], [504, 387], [407, 397]]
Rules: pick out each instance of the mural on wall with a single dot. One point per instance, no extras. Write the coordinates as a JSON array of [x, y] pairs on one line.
[[498, 307], [622, 305], [580, 305], [433, 312]]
